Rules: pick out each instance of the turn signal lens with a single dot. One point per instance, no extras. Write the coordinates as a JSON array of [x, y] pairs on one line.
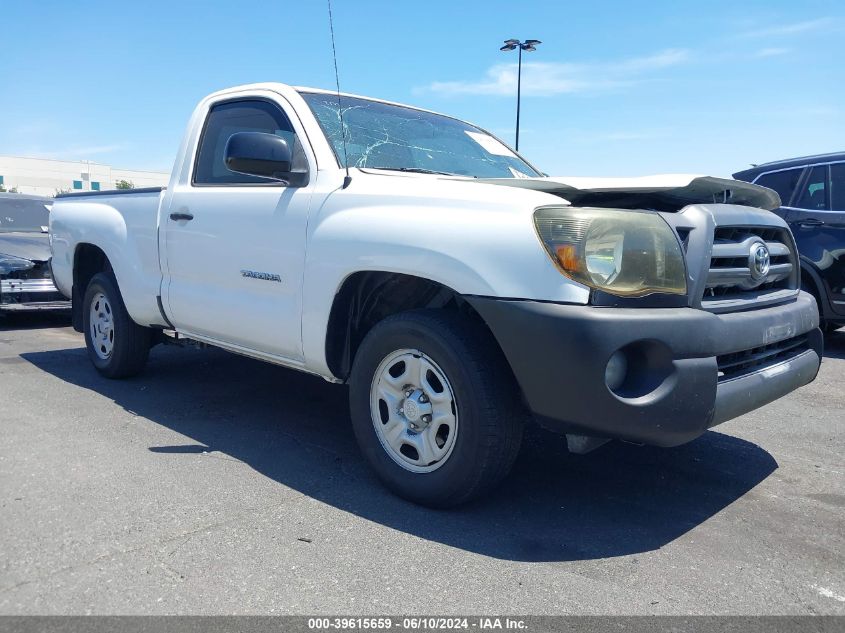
[[623, 252], [567, 255]]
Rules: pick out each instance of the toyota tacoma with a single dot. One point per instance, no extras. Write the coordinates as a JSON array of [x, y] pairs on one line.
[[456, 289]]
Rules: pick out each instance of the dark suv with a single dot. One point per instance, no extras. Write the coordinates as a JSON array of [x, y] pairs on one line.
[[812, 193]]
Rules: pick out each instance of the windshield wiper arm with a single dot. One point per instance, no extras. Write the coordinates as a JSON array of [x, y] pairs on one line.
[[417, 170]]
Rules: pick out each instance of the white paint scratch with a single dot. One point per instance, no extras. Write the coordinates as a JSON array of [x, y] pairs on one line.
[[827, 593]]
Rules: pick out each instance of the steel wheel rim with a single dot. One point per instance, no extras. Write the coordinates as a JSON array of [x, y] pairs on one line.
[[101, 324], [414, 412]]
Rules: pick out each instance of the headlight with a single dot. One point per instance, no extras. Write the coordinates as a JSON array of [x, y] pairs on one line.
[[10, 263], [622, 252]]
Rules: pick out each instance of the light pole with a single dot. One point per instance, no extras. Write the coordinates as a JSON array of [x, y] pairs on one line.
[[528, 46]]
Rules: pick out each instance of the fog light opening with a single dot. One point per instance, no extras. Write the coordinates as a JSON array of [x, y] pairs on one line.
[[616, 370]]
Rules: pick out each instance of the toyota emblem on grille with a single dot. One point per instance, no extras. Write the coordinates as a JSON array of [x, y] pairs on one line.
[[759, 260]]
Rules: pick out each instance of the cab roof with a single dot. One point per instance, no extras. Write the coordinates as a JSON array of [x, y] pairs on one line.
[[750, 174]]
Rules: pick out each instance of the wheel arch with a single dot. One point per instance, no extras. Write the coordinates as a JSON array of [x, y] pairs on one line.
[[88, 260], [811, 279], [367, 297]]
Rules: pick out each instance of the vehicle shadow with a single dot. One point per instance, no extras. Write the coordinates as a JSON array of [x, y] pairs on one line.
[[33, 320], [834, 344], [295, 429]]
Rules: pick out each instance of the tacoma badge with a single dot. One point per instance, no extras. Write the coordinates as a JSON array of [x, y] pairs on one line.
[[264, 276]]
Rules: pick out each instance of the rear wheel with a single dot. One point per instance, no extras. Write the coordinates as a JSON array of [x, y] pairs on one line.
[[434, 407], [117, 346]]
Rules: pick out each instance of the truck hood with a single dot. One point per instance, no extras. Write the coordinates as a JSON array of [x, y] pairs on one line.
[[31, 246], [667, 192]]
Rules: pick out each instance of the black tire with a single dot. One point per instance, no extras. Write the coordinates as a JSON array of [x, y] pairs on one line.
[[130, 341], [489, 408], [829, 329]]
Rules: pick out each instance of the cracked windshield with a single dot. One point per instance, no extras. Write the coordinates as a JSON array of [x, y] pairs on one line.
[[384, 136]]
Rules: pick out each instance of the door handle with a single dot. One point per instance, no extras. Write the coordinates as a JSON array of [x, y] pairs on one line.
[[181, 215], [809, 222]]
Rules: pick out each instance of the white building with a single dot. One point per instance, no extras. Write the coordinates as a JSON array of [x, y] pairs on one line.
[[47, 177]]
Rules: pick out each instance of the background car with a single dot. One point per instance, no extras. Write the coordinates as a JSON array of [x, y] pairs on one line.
[[26, 282], [812, 192]]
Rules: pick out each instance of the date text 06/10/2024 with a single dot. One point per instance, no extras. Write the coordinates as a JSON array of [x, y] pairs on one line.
[[418, 623]]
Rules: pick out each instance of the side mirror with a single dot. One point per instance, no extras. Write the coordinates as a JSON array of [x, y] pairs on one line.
[[259, 154]]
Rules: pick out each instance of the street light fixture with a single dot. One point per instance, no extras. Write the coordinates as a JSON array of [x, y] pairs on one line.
[[527, 46]]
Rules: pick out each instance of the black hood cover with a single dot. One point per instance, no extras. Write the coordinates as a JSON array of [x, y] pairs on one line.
[[32, 246]]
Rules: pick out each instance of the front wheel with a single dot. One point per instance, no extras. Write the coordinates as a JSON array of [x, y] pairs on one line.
[[117, 346], [434, 407]]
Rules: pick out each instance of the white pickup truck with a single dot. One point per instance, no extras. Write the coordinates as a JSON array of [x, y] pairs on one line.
[[455, 288]]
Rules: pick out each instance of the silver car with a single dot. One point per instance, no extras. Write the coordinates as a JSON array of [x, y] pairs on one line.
[[26, 282]]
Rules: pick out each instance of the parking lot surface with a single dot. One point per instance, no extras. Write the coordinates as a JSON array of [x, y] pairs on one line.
[[216, 484]]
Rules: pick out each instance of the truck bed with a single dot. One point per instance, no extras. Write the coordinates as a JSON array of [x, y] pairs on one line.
[[125, 222], [110, 192]]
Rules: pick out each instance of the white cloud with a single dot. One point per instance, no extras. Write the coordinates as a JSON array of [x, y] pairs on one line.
[[771, 52], [779, 30], [663, 59], [92, 150], [551, 78]]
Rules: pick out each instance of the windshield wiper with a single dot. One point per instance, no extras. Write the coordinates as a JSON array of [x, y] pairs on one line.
[[418, 170]]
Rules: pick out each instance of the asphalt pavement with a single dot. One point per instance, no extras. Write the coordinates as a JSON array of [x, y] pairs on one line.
[[215, 484]]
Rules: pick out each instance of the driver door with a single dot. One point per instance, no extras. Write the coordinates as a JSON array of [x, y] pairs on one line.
[[235, 243]]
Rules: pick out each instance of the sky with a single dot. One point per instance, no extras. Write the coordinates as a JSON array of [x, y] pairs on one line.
[[617, 88]]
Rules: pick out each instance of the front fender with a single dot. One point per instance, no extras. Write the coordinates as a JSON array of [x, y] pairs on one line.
[[476, 245]]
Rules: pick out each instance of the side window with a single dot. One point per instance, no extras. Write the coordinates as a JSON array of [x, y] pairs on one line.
[[837, 187], [814, 192], [239, 116], [784, 182]]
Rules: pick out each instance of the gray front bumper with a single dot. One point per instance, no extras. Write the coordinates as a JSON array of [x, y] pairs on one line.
[[741, 395], [558, 354]]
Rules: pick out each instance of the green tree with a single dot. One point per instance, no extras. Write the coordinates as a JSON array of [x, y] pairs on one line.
[[124, 184]]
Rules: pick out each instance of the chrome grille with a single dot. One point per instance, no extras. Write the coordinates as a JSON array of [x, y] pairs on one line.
[[734, 283]]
